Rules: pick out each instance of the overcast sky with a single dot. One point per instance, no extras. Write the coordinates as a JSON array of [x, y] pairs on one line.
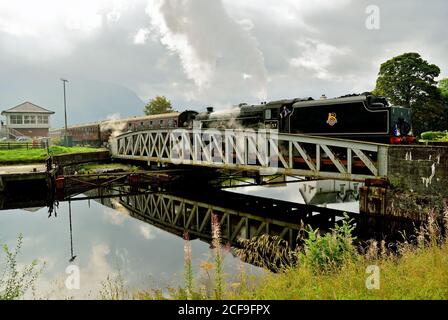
[[117, 54]]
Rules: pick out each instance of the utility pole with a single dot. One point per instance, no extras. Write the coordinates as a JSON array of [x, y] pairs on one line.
[[72, 257], [65, 112]]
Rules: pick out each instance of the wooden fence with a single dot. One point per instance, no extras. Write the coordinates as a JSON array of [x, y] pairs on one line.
[[23, 145]]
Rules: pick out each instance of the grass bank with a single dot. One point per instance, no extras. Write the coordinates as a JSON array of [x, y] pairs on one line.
[[330, 266], [100, 167], [21, 156], [417, 274]]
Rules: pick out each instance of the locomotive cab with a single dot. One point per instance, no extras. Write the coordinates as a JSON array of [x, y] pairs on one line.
[[277, 114], [186, 119], [271, 118]]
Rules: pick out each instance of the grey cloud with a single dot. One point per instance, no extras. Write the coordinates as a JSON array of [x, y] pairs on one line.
[[212, 47], [112, 74]]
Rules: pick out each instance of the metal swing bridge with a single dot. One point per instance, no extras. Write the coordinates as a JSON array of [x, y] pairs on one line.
[[265, 151]]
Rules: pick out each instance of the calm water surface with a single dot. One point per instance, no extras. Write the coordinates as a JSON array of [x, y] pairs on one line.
[[109, 241]]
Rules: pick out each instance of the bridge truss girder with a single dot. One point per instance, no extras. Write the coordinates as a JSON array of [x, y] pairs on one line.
[[266, 152]]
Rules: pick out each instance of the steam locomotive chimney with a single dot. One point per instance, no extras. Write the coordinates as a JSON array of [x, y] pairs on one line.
[[209, 109]]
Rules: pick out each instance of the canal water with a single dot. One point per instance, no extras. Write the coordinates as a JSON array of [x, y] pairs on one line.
[[105, 240]]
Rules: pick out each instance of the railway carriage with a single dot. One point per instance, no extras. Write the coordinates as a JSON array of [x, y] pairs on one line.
[[99, 133]]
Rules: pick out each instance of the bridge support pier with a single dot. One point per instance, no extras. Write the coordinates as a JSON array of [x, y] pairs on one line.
[[416, 184], [385, 200]]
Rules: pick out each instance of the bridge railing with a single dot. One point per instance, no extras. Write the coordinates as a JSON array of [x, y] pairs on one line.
[[266, 151]]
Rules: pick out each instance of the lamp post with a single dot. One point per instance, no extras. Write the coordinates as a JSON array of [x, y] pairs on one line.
[[65, 112]]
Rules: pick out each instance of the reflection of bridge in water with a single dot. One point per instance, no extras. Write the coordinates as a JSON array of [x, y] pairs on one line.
[[242, 216]]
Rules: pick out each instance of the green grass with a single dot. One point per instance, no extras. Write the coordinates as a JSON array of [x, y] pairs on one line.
[[329, 267], [418, 274], [38, 155], [92, 167]]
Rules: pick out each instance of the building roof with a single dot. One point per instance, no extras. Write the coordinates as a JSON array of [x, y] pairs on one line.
[[27, 107]]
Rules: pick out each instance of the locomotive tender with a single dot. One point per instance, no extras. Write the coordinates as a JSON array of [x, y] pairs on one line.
[[357, 117]]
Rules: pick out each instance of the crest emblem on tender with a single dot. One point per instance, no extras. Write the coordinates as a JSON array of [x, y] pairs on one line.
[[332, 119]]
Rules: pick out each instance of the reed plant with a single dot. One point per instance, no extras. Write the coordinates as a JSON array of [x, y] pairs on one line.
[[330, 266], [16, 281]]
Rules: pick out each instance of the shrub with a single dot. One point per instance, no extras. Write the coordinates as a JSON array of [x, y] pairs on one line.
[[434, 135], [15, 282], [322, 253]]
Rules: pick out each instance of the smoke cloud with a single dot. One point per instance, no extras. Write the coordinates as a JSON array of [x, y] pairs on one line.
[[114, 124], [212, 47]]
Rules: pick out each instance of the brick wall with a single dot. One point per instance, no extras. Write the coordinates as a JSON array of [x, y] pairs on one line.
[[34, 132]]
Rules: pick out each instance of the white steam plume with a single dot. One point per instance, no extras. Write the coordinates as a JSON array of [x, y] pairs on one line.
[[114, 124], [209, 43]]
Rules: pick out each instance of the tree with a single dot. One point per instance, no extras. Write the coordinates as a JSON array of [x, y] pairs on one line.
[[443, 87], [429, 116], [408, 80], [158, 105]]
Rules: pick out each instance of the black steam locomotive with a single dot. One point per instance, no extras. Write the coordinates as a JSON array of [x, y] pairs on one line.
[[358, 117]]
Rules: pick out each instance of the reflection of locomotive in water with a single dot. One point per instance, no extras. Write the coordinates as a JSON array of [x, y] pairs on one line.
[[357, 117]]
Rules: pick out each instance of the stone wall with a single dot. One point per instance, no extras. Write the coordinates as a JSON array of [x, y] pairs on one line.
[[419, 169], [74, 158], [417, 184], [415, 206], [401, 204]]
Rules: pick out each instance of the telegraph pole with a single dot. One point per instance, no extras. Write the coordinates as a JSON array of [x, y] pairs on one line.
[[72, 257], [65, 112]]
